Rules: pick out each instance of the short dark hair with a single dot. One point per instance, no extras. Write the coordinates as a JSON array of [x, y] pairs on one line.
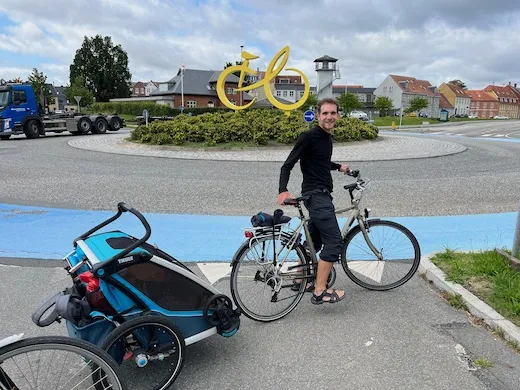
[[327, 101]]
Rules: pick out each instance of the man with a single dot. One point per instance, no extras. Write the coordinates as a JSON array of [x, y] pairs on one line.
[[314, 150]]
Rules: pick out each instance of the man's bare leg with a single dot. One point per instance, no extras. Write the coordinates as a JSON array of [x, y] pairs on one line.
[[324, 268]]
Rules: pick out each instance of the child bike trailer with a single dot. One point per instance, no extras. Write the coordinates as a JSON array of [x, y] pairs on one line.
[[138, 303]]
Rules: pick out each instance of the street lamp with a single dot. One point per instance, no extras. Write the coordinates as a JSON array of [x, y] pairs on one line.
[[401, 119]]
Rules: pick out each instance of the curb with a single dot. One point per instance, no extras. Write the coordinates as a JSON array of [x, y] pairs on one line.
[[475, 305]]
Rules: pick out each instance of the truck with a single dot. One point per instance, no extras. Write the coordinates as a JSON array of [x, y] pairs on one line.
[[21, 113]]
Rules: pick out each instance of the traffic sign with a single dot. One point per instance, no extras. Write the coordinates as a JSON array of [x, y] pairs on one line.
[[308, 116], [145, 116], [181, 108]]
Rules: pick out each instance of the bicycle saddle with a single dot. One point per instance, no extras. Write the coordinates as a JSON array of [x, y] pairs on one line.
[[248, 56], [295, 201]]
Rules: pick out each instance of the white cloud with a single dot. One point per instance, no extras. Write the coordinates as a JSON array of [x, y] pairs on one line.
[[473, 40]]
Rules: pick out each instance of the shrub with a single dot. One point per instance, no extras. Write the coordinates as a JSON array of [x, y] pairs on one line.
[[257, 126]]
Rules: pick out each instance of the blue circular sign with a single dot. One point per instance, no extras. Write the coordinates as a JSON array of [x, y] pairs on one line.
[[308, 116]]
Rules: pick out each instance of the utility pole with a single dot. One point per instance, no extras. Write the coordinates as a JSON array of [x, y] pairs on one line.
[[241, 48], [401, 111]]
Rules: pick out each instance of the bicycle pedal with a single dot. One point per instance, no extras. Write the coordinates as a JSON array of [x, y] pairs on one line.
[[274, 298]]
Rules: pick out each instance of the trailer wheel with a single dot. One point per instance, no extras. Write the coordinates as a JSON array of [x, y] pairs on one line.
[[31, 129], [4, 137], [100, 126], [115, 124], [84, 125]]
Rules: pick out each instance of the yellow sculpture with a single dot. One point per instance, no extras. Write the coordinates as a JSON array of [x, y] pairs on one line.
[[270, 74]]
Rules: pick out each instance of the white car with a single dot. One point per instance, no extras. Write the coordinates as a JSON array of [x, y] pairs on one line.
[[357, 114], [500, 117]]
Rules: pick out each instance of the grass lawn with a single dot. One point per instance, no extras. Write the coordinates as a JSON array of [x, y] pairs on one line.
[[407, 120], [488, 275]]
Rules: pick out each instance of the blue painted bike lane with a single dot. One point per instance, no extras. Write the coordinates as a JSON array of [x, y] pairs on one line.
[[47, 233]]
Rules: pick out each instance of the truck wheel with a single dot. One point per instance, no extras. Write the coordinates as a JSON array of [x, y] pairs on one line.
[[100, 126], [4, 137], [84, 126], [115, 124], [31, 129]]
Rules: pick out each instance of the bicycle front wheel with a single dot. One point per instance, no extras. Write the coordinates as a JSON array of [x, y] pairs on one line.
[[55, 362], [262, 293], [400, 252]]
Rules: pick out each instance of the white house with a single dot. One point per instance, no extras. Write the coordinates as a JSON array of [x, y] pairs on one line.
[[402, 89]]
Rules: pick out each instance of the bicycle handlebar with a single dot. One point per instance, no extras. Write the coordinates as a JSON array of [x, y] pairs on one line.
[[121, 208]]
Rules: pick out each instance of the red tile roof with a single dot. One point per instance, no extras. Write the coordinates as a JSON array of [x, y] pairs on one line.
[[481, 95], [458, 91], [414, 85], [501, 92], [444, 103]]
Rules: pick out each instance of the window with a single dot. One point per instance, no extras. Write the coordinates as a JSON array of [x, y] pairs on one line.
[[390, 88], [278, 93], [284, 93], [211, 103], [232, 101], [20, 95], [485, 105], [284, 81], [291, 93], [167, 288], [301, 93], [231, 91], [191, 104]]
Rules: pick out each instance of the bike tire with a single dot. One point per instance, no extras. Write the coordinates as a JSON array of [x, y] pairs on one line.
[[296, 298], [356, 233], [136, 325], [100, 361]]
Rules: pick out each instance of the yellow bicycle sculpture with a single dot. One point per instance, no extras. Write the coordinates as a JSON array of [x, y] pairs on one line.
[[270, 74]]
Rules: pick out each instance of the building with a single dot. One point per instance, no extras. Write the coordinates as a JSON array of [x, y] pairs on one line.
[[457, 97], [328, 71], [483, 104], [444, 104], [402, 89], [198, 88], [365, 95], [508, 100]]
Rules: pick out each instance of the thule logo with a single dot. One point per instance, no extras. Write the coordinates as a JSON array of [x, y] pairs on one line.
[[125, 259]]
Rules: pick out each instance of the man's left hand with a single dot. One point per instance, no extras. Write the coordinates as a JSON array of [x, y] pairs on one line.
[[344, 168]]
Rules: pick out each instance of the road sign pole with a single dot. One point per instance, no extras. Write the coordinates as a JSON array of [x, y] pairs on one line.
[[516, 240]]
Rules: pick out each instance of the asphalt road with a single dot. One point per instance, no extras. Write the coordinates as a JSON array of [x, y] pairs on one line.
[[408, 338], [47, 172]]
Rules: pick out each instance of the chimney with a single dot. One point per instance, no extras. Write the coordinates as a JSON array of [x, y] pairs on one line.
[[515, 85], [510, 83]]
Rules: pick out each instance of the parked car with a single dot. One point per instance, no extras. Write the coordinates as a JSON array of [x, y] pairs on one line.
[[423, 114], [357, 114], [472, 116], [500, 117]]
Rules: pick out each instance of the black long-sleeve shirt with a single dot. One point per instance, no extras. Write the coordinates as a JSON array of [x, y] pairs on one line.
[[314, 150]]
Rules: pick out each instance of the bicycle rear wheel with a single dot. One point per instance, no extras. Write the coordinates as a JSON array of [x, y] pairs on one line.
[[398, 246], [150, 349], [257, 290], [55, 362]]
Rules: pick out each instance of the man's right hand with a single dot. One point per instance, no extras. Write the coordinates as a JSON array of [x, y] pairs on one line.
[[282, 196]]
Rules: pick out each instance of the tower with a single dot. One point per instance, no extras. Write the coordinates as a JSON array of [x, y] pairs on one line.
[[328, 71]]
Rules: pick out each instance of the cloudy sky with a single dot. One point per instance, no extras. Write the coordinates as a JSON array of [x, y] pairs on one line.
[[472, 40]]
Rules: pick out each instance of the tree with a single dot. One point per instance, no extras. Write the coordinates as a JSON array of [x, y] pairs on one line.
[[78, 88], [312, 101], [384, 105], [458, 83], [104, 68], [38, 81], [247, 80], [417, 104], [349, 102]]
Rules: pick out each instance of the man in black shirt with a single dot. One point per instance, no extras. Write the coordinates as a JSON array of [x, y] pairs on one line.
[[314, 150]]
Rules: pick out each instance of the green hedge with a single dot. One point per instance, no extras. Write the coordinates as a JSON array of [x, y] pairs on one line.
[[154, 109], [257, 126]]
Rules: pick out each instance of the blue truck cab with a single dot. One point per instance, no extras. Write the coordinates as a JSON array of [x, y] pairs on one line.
[[19, 111]]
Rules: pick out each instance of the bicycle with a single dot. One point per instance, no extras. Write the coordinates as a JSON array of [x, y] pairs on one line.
[[292, 265], [36, 363]]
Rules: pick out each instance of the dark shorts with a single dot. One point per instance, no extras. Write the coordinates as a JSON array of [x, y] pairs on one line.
[[323, 225]]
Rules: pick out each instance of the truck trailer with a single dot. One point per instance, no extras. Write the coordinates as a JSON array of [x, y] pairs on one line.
[[20, 113]]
